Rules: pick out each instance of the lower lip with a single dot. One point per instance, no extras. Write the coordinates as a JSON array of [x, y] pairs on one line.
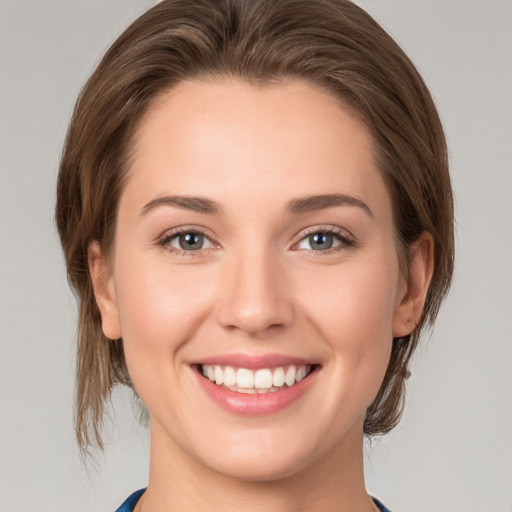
[[258, 404]]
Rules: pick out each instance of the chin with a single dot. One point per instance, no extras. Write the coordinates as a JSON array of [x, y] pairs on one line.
[[259, 467], [260, 456]]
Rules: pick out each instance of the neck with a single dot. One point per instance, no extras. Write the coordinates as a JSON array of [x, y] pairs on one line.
[[333, 483]]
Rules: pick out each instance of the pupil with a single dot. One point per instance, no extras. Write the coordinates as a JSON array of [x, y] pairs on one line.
[[320, 241], [191, 241]]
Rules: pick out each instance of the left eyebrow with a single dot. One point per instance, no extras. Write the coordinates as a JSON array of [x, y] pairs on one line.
[[320, 202], [196, 204]]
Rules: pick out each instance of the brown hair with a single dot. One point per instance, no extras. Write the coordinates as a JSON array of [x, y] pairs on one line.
[[332, 44]]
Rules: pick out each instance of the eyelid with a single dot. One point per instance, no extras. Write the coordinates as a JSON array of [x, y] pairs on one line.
[[346, 238], [343, 235], [163, 240]]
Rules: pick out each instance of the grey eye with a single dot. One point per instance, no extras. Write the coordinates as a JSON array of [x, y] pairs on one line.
[[322, 241], [189, 241]]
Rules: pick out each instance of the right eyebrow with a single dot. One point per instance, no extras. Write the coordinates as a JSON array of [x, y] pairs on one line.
[[194, 203], [323, 201]]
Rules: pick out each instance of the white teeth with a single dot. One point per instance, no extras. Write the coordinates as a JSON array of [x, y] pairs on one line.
[[301, 373], [264, 380], [229, 376], [244, 378], [219, 376], [278, 378], [247, 391], [290, 376]]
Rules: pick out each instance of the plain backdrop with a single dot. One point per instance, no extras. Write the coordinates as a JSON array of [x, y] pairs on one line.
[[453, 450]]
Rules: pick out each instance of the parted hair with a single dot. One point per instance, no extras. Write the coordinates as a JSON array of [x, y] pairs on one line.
[[331, 44]]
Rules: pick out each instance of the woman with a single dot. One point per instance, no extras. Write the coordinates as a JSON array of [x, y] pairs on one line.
[[256, 212]]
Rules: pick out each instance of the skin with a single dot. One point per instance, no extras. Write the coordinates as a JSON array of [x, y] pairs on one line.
[[256, 287]]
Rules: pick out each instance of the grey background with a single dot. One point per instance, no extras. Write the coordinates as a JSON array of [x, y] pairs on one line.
[[453, 450]]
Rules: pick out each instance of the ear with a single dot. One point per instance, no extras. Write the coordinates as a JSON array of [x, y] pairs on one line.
[[104, 291], [412, 295]]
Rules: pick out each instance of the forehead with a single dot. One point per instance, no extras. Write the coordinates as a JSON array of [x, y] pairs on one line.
[[228, 138]]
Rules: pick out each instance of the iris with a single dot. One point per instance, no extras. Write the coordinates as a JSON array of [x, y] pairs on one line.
[[191, 241], [321, 241]]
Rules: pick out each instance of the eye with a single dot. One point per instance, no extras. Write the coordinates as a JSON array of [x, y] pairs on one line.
[[323, 240], [187, 241]]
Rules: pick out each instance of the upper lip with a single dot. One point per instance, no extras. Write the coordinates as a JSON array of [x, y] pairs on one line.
[[253, 362]]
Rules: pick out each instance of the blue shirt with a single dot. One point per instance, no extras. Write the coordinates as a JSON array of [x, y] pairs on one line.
[[132, 500], [130, 503]]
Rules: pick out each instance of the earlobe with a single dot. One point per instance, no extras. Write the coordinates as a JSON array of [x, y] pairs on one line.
[[104, 291], [410, 307]]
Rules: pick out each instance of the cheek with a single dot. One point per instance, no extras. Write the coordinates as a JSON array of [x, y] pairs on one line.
[[355, 301], [160, 308], [353, 309]]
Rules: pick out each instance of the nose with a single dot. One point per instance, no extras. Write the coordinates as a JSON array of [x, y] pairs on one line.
[[255, 297]]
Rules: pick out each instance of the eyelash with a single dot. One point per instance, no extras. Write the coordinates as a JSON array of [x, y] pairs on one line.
[[166, 239], [346, 241]]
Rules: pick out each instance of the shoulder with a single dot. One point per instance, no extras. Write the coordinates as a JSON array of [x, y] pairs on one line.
[[129, 504], [380, 506]]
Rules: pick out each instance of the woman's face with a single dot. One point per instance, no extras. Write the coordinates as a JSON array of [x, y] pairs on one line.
[[255, 248]]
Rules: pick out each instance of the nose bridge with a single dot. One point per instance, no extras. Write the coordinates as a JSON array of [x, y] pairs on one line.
[[255, 296]]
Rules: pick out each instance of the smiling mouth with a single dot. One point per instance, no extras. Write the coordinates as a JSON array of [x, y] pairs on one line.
[[260, 381]]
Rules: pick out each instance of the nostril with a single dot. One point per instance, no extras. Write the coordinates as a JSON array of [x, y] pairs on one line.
[[266, 321], [255, 297]]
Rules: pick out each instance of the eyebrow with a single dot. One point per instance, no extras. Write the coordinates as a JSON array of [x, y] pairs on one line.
[[300, 205], [196, 204], [320, 202]]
